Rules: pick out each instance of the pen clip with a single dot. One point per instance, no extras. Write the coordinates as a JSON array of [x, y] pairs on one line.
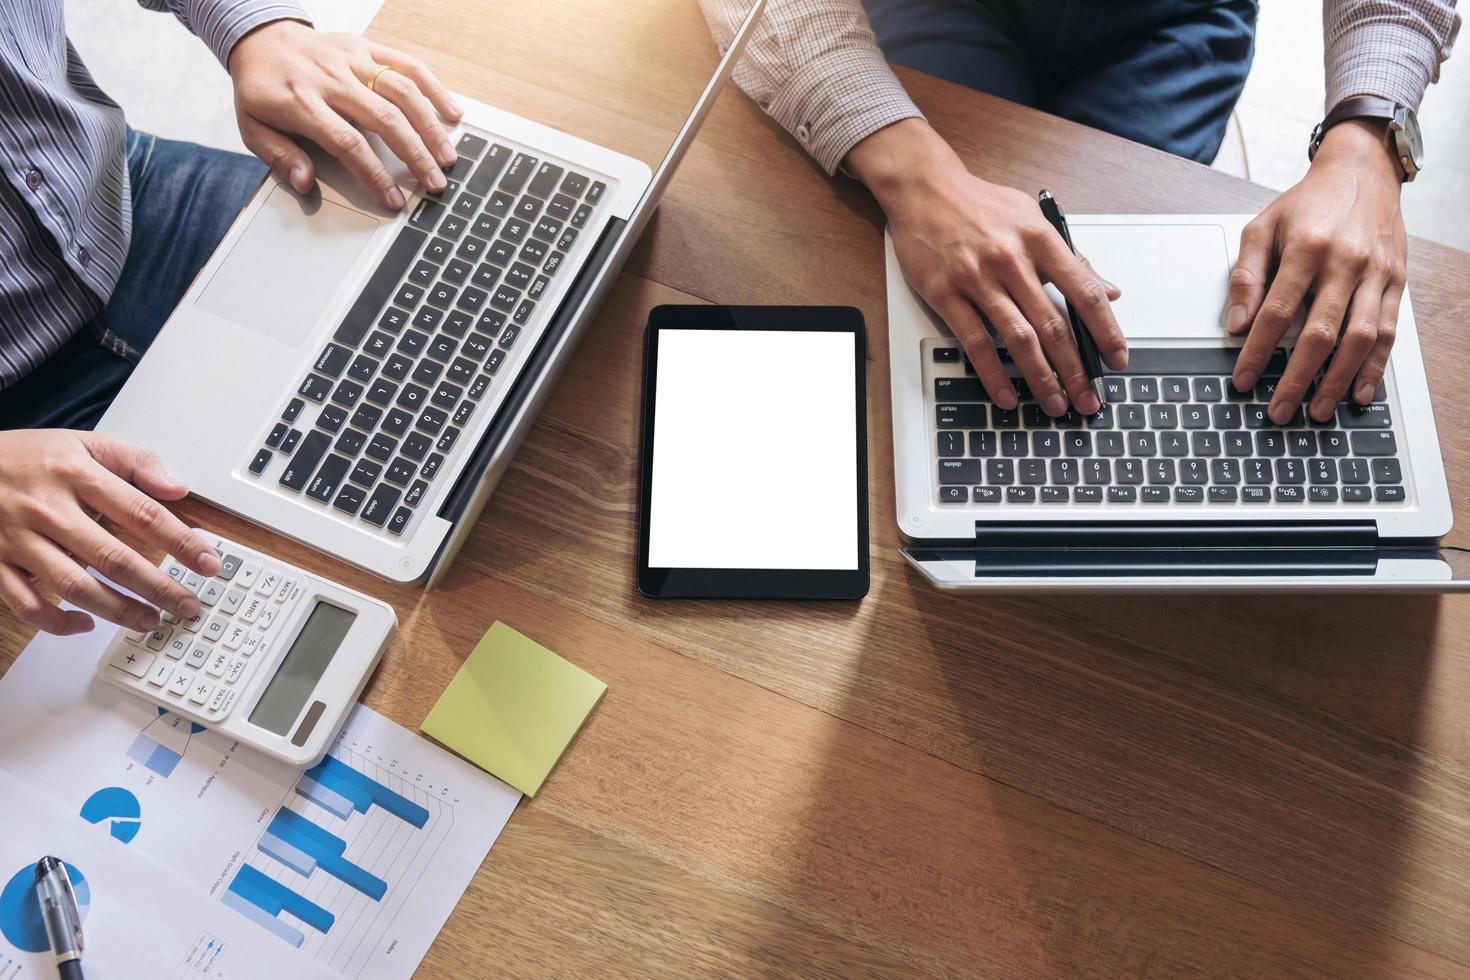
[[58, 892]]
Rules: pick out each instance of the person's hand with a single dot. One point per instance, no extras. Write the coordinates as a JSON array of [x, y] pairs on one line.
[[976, 250], [292, 81], [54, 484], [1339, 235]]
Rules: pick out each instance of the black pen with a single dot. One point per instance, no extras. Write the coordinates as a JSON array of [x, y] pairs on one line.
[[60, 915], [1086, 346]]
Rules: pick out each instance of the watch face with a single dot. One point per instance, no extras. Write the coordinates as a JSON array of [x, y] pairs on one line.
[[1409, 125]]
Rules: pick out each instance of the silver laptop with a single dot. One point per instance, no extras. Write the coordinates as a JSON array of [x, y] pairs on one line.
[[1180, 483], [359, 379]]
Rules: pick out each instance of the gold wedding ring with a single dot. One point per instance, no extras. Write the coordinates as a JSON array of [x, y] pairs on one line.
[[373, 82]]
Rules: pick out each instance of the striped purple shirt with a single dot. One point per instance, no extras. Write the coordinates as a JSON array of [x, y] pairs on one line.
[[65, 212]]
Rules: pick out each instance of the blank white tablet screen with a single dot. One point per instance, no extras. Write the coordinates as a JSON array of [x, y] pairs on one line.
[[754, 451]]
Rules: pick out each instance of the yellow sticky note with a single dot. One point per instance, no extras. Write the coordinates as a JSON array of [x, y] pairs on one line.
[[513, 708]]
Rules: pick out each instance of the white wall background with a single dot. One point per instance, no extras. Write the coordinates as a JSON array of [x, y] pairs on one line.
[[171, 85]]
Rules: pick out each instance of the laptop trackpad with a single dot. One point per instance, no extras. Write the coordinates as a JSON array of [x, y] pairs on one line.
[[285, 267], [1174, 277]]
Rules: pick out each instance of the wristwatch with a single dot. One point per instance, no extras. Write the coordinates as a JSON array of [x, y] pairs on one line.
[[1404, 138]]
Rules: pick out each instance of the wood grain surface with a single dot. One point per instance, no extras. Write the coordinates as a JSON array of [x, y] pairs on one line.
[[917, 784]]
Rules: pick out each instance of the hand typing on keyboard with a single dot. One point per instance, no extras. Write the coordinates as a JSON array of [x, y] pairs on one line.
[[1338, 234], [291, 80], [974, 249], [54, 484]]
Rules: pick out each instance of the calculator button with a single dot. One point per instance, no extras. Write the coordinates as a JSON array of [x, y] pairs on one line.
[[178, 646], [134, 662], [175, 571], [215, 628], [212, 592], [288, 585], [234, 670], [230, 698], [217, 663], [232, 601], [159, 637], [252, 609], [135, 636], [192, 582], [200, 692], [195, 621], [268, 582], [161, 673], [198, 653], [235, 635], [267, 616], [169, 618], [228, 566], [180, 684], [249, 572], [249, 644], [217, 699]]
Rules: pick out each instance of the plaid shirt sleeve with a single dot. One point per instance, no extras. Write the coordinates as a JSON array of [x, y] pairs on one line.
[[221, 23], [816, 68], [1388, 48]]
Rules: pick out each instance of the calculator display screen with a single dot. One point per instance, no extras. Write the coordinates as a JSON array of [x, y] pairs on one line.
[[301, 668]]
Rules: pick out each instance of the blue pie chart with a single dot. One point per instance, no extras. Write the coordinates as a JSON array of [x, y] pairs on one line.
[[118, 807], [20, 912]]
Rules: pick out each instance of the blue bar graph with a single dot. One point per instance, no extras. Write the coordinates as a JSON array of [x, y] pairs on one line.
[[273, 898], [333, 802], [257, 914], [312, 847], [154, 755], [363, 791]]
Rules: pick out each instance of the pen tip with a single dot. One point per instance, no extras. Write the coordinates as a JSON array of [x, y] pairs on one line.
[[1100, 390]]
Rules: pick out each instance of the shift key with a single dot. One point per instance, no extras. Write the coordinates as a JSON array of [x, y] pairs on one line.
[[328, 478], [303, 463]]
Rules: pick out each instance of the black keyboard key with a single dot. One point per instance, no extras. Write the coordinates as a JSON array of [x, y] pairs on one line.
[[1055, 495], [580, 216], [1238, 444], [547, 229], [1153, 495], [1014, 444], [492, 363], [1194, 472], [427, 372], [1375, 416], [1333, 443], [1224, 471], [366, 417], [380, 504], [594, 193], [470, 302], [442, 295], [1225, 416], [347, 393], [500, 204], [452, 227], [415, 493], [1189, 495], [999, 472], [431, 420], [1290, 495], [959, 389], [1257, 471], [428, 319], [467, 204], [946, 355], [412, 397], [1064, 471], [1387, 471], [1143, 389], [442, 348], [1379, 443], [1160, 471], [1301, 442], [450, 436], [381, 447], [527, 208], [260, 462], [315, 387], [1322, 495], [953, 495], [949, 416], [1175, 389], [412, 342], [1163, 416], [349, 443], [1045, 442], [1020, 495], [293, 409], [1174, 444], [430, 469], [1205, 443], [475, 346], [1034, 417], [1357, 494], [278, 432], [478, 388], [522, 314], [1068, 420], [1101, 419], [1223, 495], [520, 171], [1389, 495], [333, 361], [304, 462], [545, 181], [379, 344], [416, 446], [1324, 471], [470, 145], [564, 243], [349, 499], [505, 298], [533, 251], [1097, 472], [1142, 444], [439, 250], [485, 226], [366, 472], [324, 485], [1122, 495], [488, 169], [552, 263], [982, 443], [332, 418], [490, 323], [1255, 495], [446, 395], [399, 520], [560, 207], [1077, 443], [426, 215], [408, 296], [1194, 416], [363, 368], [1270, 443], [472, 248], [397, 367], [399, 472], [1208, 390], [461, 370], [1110, 444], [1131, 416], [518, 276], [1256, 417]]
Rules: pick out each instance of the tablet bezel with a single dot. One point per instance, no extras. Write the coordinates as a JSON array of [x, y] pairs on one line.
[[753, 583]]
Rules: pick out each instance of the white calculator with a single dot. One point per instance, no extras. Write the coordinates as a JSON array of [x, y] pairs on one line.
[[275, 657]]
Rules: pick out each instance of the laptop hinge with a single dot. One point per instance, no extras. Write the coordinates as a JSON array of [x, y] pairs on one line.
[[1162, 548], [531, 372]]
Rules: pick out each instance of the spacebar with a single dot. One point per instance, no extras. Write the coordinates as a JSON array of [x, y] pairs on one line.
[[380, 287]]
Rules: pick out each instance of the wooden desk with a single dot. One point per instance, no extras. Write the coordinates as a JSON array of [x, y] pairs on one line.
[[917, 784]]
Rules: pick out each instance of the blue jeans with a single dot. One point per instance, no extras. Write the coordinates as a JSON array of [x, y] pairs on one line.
[[1161, 72], [184, 198]]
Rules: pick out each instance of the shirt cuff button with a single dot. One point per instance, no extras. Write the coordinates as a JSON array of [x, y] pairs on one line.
[[34, 178], [804, 132], [84, 256]]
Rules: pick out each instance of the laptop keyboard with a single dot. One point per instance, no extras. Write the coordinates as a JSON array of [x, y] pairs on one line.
[[1175, 431], [386, 402]]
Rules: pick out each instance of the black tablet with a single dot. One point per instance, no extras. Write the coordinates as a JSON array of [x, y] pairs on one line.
[[755, 463]]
